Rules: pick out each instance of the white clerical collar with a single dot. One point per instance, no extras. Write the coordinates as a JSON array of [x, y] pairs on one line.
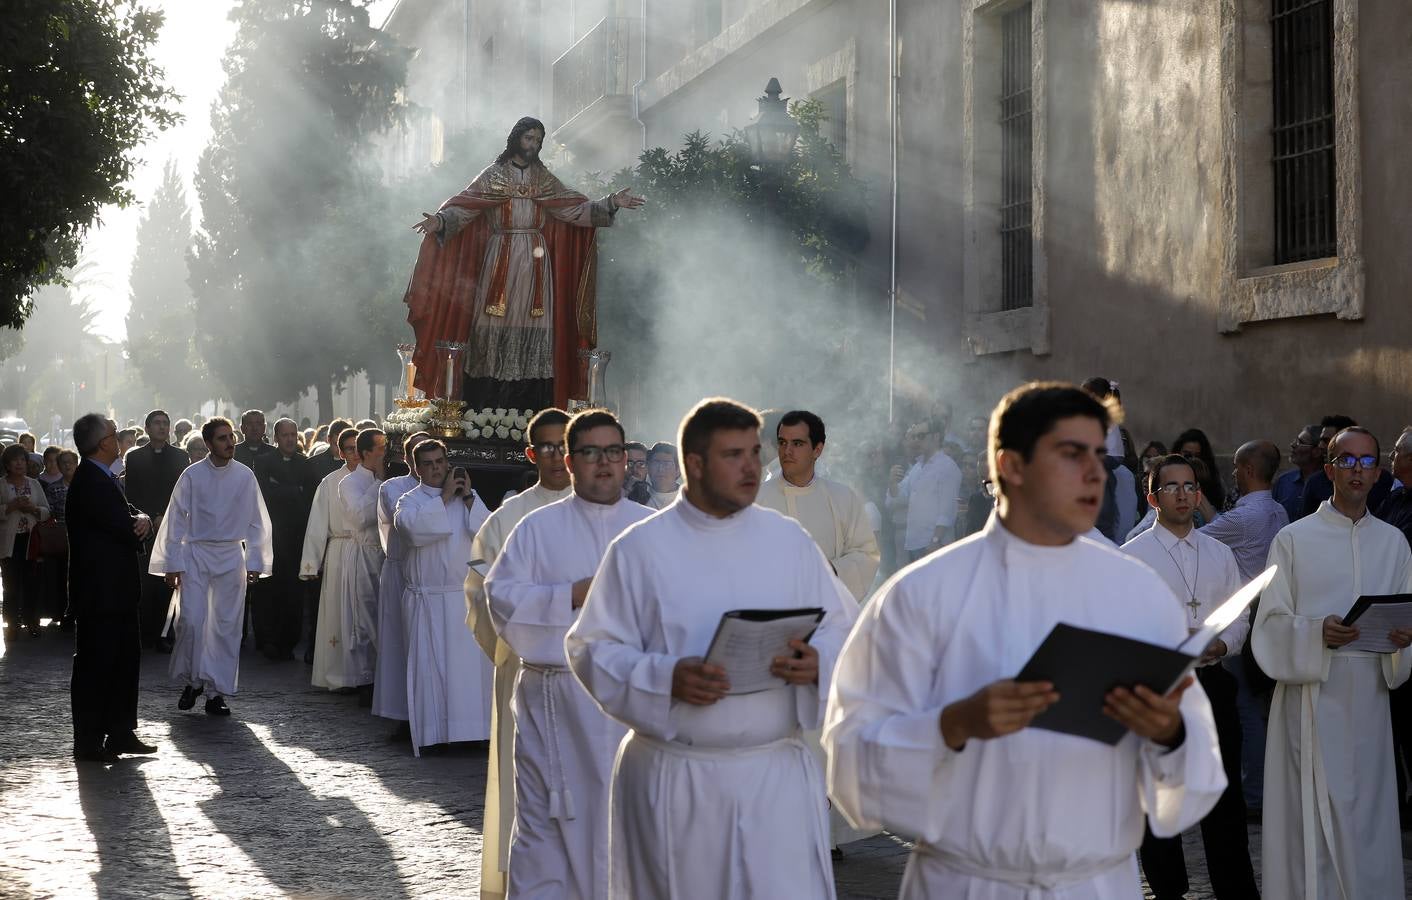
[[1010, 542], [593, 509], [1168, 539], [1331, 515], [553, 494], [787, 485], [699, 518]]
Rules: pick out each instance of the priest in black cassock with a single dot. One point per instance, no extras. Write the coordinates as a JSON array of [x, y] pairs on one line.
[[149, 475], [287, 481]]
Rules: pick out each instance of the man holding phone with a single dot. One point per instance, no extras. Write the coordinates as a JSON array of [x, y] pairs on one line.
[[448, 678]]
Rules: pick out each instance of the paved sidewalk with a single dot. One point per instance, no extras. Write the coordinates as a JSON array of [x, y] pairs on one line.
[[299, 793]]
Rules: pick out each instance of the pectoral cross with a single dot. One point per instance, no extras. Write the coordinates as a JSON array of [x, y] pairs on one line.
[[1195, 605]]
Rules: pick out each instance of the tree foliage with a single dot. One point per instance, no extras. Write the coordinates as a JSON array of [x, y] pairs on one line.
[[286, 262], [78, 94], [737, 279], [161, 321], [57, 368]]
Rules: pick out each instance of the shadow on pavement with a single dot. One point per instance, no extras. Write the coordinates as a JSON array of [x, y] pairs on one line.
[[135, 856], [301, 842]]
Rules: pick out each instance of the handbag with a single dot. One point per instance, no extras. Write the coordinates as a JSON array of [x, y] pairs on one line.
[[48, 540]]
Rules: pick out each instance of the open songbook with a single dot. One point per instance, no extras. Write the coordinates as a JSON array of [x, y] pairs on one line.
[[1376, 615], [1085, 665], [747, 641]]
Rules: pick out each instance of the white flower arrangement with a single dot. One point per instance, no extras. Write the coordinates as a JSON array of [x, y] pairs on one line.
[[502, 432], [516, 434]]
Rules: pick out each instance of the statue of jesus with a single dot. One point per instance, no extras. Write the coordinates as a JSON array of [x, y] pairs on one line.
[[509, 265]]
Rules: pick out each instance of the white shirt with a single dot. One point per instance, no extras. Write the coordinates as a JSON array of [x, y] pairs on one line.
[[930, 490], [1003, 818], [1248, 528], [1195, 567]]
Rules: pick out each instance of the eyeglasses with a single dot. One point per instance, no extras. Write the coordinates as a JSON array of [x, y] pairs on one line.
[[1174, 488], [592, 454], [1348, 461], [637, 464], [548, 449], [662, 462]]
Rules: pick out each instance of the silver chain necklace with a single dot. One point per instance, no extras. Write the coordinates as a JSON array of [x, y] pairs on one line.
[[1194, 604]]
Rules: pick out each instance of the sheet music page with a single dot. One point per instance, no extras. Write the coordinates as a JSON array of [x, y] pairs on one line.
[[1376, 622], [746, 649]]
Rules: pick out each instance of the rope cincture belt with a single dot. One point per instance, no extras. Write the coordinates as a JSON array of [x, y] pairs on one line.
[[561, 798]]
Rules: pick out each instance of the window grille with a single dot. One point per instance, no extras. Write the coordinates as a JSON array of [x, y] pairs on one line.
[[1016, 150], [1302, 39]]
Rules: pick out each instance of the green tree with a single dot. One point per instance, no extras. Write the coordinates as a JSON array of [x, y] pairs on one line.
[[285, 264], [78, 94], [60, 367], [161, 320]]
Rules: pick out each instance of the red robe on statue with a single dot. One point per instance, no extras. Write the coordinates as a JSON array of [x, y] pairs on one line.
[[442, 289]]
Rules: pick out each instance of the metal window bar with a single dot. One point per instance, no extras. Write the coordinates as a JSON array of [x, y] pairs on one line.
[[1303, 132], [1016, 152]]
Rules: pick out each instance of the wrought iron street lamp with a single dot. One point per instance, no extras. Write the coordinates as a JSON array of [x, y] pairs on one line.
[[772, 132]]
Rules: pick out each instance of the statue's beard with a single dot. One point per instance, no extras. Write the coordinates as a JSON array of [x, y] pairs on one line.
[[531, 155]]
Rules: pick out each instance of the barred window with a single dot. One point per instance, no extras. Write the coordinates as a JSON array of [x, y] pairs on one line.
[[1302, 51], [1016, 150]]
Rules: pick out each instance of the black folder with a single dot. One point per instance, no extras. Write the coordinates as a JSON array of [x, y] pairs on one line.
[[1085, 665]]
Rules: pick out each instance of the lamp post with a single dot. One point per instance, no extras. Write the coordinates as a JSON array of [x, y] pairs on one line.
[[772, 132]]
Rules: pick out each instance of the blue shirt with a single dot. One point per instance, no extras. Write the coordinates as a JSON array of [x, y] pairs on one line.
[[1288, 491]]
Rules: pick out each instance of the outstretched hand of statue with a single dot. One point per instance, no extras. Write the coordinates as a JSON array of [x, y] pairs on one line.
[[625, 199], [430, 224]]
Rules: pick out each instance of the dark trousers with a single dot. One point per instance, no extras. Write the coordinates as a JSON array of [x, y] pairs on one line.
[[54, 586], [278, 610], [107, 657], [1223, 831], [21, 585]]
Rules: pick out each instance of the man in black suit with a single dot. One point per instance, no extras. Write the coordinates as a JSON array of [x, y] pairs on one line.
[[149, 474], [328, 460], [105, 538], [287, 481]]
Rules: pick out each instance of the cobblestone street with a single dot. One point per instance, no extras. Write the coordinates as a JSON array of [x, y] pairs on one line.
[[299, 793]]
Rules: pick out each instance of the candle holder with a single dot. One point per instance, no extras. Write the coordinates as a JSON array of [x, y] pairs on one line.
[[597, 381], [408, 397], [446, 418], [452, 349]]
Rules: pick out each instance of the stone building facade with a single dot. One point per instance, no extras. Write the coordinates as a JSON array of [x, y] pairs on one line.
[[1198, 198]]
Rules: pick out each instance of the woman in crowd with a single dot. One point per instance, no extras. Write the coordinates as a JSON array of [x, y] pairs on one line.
[[1194, 445], [25, 506]]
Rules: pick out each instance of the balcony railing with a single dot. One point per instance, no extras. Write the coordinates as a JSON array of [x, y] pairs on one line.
[[600, 65]]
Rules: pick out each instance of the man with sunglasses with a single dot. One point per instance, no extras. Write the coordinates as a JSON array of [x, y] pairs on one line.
[[546, 451], [1288, 489], [1202, 572], [448, 682], [564, 744], [1330, 807]]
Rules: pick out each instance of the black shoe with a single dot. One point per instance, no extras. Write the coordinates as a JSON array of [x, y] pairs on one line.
[[95, 754], [402, 733], [365, 695], [216, 706], [309, 656], [188, 697], [128, 743]]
